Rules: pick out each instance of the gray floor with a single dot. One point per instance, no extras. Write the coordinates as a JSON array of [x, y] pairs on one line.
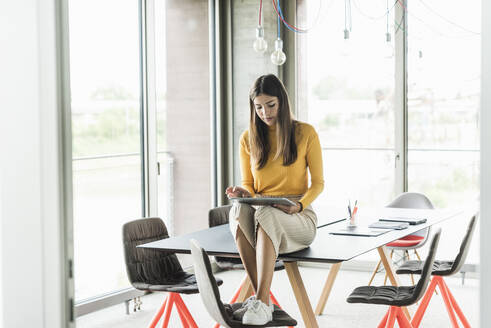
[[338, 312]]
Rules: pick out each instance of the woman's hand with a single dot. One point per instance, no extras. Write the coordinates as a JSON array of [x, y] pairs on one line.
[[289, 209], [236, 191]]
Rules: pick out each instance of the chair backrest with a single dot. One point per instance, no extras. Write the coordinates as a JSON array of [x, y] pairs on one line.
[[218, 215], [464, 247], [145, 265], [424, 279], [413, 200], [207, 285]]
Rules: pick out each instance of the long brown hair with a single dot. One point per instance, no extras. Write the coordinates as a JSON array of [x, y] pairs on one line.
[[285, 125]]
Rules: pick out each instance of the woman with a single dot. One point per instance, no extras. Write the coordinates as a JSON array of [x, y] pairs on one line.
[[275, 153]]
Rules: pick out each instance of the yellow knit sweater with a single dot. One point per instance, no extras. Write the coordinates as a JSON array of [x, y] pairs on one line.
[[274, 179]]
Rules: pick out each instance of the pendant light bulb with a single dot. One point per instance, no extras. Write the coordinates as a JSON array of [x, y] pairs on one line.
[[389, 49], [346, 47], [278, 57], [260, 45]]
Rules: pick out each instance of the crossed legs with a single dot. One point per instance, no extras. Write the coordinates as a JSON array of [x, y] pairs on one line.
[[259, 262]]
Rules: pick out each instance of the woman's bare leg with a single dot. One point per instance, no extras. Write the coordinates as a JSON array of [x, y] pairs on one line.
[[248, 257], [265, 259]]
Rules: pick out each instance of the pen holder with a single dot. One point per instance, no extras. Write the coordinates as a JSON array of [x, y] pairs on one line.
[[351, 221]]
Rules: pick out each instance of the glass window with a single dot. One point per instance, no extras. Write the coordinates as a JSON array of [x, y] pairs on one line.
[[247, 64], [104, 60], [105, 82], [346, 90], [443, 107]]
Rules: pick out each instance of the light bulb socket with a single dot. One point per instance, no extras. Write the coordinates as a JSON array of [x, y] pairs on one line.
[[278, 44], [346, 34], [387, 37], [259, 32]]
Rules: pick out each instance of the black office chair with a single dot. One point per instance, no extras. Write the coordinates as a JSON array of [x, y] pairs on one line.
[[398, 296], [157, 271], [440, 270], [223, 313]]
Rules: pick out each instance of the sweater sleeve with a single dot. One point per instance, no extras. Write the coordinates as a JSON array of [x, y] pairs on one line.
[[245, 164], [314, 162]]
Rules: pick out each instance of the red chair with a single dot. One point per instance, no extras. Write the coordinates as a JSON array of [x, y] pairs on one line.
[[413, 241], [440, 270], [397, 297], [158, 271]]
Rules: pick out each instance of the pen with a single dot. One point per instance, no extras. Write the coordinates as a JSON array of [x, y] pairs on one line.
[[349, 209], [355, 208]]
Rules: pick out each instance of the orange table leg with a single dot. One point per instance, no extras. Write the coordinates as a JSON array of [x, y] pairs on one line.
[[303, 301]]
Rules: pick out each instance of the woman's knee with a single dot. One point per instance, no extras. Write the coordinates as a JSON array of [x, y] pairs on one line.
[[241, 212], [264, 235], [240, 236]]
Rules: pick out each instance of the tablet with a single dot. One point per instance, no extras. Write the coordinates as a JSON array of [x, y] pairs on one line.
[[389, 225], [263, 201], [411, 221], [359, 231]]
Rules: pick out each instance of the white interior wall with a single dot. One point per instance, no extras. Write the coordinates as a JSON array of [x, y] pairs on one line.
[[31, 246], [485, 283], [21, 197], [1, 257]]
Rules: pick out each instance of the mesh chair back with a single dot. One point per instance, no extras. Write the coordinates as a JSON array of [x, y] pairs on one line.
[[464, 247], [207, 286], [413, 200], [424, 279], [145, 265]]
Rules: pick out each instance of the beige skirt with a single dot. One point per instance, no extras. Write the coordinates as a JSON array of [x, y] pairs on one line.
[[288, 232]]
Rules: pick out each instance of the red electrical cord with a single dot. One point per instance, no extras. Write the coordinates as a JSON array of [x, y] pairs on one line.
[[284, 21], [297, 29], [401, 3]]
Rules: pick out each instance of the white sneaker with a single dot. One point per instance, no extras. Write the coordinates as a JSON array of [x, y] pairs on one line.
[[239, 313], [257, 313]]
